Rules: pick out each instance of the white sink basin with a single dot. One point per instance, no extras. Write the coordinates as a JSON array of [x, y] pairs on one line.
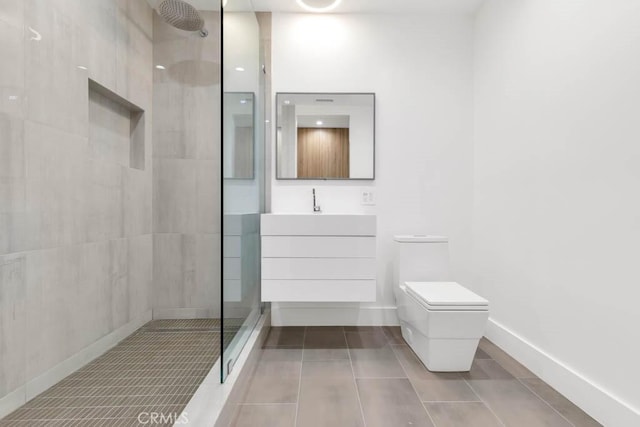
[[318, 224]]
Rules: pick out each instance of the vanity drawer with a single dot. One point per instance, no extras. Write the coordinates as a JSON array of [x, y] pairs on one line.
[[319, 268], [318, 247], [319, 290]]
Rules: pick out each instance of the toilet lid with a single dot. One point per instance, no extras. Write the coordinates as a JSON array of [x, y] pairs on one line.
[[446, 296]]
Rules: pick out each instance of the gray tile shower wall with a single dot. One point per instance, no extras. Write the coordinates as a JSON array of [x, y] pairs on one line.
[[75, 224], [186, 166]]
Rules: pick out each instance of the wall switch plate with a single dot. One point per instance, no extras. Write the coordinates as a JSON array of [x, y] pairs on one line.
[[368, 198]]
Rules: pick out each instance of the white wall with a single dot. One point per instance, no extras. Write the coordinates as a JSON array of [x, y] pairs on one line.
[[556, 211], [420, 70]]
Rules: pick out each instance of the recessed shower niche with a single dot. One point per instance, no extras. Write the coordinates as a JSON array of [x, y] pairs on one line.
[[116, 128]]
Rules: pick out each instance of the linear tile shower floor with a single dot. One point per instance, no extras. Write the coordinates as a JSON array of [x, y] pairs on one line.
[[157, 369], [369, 377]]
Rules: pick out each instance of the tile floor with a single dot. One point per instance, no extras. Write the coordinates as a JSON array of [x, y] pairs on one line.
[[156, 369], [368, 376]]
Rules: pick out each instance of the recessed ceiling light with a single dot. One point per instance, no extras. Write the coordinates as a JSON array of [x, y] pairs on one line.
[[267, 121], [82, 67], [243, 101], [161, 67], [319, 122], [13, 97], [239, 69], [287, 102], [318, 6]]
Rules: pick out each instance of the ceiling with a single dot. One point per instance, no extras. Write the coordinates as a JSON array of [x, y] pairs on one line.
[[375, 6], [347, 6]]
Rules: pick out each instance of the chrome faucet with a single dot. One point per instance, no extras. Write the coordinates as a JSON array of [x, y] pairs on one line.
[[316, 208]]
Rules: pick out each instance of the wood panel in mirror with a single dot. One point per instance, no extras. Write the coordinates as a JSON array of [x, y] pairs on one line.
[[323, 153]]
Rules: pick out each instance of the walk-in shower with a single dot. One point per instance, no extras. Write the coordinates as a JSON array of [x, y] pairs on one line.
[[125, 278]]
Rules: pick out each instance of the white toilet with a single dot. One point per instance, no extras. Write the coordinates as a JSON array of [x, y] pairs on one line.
[[441, 320]]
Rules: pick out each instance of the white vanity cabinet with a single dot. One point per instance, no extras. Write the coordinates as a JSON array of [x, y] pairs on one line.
[[318, 258]]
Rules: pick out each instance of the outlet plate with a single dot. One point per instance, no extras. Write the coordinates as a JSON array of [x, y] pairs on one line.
[[368, 198]]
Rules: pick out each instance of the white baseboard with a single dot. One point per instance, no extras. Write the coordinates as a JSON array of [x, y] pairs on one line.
[[42, 382], [595, 400], [183, 313], [327, 315]]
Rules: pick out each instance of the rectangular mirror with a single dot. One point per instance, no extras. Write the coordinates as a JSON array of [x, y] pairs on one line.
[[325, 135], [238, 134]]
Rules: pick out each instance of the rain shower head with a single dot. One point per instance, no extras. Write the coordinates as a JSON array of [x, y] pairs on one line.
[[182, 16]]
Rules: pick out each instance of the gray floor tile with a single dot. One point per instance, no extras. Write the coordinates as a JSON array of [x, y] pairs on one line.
[[362, 328], [325, 329], [375, 363], [291, 337], [272, 390], [486, 369], [511, 365], [265, 416], [325, 353], [515, 405], [391, 402], [330, 402], [563, 405], [366, 339], [281, 355], [458, 414], [324, 339], [327, 369], [276, 378], [393, 334], [444, 390]]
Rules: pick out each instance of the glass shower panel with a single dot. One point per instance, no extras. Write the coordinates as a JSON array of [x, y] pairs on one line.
[[242, 173]]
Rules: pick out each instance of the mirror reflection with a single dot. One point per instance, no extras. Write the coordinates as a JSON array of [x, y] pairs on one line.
[[238, 134], [325, 135]]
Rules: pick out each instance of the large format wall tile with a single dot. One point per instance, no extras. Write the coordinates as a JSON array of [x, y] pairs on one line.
[[137, 215], [174, 196], [80, 223], [208, 196], [56, 88], [53, 298], [173, 268], [55, 162], [104, 194], [12, 322], [186, 167], [206, 293], [140, 275], [186, 270], [12, 12], [12, 48]]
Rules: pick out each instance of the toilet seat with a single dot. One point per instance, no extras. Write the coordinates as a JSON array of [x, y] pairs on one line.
[[446, 296]]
